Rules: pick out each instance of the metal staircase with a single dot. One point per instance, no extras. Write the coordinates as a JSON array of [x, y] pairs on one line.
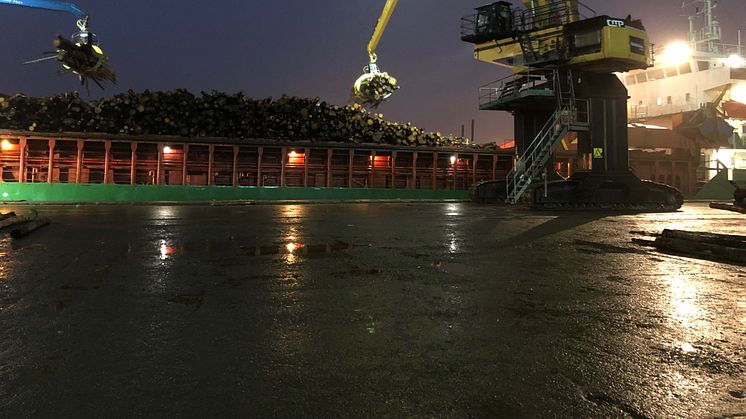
[[532, 163]]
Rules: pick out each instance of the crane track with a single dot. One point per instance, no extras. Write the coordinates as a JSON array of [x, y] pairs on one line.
[[595, 206]]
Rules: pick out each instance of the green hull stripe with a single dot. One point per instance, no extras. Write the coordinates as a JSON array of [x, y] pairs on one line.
[[72, 193]]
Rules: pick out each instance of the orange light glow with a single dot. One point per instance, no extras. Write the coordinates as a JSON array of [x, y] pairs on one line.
[[167, 150], [292, 247], [296, 159], [507, 144], [6, 145], [381, 161]]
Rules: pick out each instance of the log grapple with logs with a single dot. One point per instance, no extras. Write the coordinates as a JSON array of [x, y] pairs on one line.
[[86, 60]]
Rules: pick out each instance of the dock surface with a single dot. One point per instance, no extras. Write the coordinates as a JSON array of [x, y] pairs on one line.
[[367, 310]]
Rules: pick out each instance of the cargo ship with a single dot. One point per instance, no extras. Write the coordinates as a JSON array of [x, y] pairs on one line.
[[85, 168], [688, 111]]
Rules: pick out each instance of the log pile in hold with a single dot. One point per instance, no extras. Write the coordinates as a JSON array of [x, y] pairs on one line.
[[702, 245], [212, 114]]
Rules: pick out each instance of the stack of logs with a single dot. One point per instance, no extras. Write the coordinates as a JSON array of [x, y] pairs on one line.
[[213, 114]]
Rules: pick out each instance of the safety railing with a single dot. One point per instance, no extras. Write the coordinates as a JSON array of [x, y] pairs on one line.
[[513, 85], [638, 113], [499, 20], [552, 15]]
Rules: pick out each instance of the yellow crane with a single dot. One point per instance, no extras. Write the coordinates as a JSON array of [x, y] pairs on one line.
[[563, 56], [375, 86]]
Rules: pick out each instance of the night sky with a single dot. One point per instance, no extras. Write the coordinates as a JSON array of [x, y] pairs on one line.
[[299, 47]]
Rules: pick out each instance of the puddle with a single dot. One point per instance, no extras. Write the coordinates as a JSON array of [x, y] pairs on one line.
[[192, 300], [166, 250], [297, 249], [458, 269]]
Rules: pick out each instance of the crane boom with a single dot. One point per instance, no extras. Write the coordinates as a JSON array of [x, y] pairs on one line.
[[57, 6], [375, 86], [383, 22]]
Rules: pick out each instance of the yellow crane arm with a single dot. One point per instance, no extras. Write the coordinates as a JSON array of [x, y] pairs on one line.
[[383, 22], [532, 4]]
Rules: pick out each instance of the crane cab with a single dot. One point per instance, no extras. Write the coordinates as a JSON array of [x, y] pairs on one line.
[[557, 33], [494, 21], [605, 44]]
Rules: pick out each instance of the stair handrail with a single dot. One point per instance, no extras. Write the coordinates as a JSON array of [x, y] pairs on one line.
[[526, 162]]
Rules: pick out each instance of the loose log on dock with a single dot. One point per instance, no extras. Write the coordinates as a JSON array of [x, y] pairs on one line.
[[728, 207], [13, 221], [701, 249], [28, 228], [702, 245], [730, 240]]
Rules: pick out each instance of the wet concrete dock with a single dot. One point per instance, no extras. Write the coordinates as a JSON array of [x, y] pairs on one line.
[[367, 310]]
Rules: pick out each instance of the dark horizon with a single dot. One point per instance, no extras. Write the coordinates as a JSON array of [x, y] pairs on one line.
[[296, 48]]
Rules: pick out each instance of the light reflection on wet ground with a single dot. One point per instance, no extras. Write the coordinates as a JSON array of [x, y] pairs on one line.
[[367, 310]]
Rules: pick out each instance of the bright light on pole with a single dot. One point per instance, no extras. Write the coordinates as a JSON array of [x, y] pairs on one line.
[[738, 93], [676, 53], [735, 61]]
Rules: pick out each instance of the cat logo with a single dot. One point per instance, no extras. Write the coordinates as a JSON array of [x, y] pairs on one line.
[[615, 23]]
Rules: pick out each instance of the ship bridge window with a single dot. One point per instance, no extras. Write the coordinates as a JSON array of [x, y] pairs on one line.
[[688, 97], [630, 80], [703, 65], [670, 71], [685, 68], [655, 74], [669, 100], [642, 77]]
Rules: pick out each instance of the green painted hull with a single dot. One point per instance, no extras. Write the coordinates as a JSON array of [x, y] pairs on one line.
[[72, 193]]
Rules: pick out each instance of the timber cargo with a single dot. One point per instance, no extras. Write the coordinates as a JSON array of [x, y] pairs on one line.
[[214, 114]]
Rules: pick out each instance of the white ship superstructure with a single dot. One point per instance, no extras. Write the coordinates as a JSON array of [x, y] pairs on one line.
[[691, 78]]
